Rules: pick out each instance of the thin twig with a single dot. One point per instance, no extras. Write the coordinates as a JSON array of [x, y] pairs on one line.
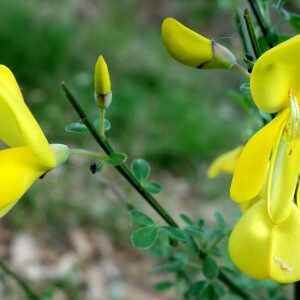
[[116, 191], [28, 291]]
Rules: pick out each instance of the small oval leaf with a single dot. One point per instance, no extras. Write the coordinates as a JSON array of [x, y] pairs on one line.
[[116, 159], [153, 187], [141, 218], [140, 169], [210, 268], [96, 124], [76, 127], [144, 237]]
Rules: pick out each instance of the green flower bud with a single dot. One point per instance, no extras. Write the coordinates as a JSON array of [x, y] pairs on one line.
[[61, 152]]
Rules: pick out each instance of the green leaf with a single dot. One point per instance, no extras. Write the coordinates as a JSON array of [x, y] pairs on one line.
[[76, 127], [242, 100], [186, 219], [96, 124], [207, 293], [164, 285], [210, 268], [197, 287], [245, 87], [294, 20], [116, 159], [140, 169], [99, 166], [220, 221], [192, 245], [218, 288], [141, 218], [153, 187], [174, 232], [144, 237], [197, 231], [174, 266]]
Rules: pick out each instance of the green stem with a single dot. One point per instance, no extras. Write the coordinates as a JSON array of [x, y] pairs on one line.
[[261, 22], [242, 70], [121, 168], [241, 29], [252, 35], [104, 144], [28, 291], [102, 118], [88, 153]]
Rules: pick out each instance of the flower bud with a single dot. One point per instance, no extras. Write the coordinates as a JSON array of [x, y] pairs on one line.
[[192, 49], [103, 95], [61, 152]]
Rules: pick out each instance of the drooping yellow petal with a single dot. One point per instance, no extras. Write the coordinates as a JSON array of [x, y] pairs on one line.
[[193, 49], [282, 179], [185, 45], [19, 169], [274, 73], [18, 127], [224, 163], [264, 250], [250, 172]]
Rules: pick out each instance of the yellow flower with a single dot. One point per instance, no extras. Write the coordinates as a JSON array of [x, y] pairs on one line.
[[103, 95], [30, 155], [192, 49], [224, 163], [262, 249], [275, 87]]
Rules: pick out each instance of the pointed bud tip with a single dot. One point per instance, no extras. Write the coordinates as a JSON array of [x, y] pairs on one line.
[[101, 79]]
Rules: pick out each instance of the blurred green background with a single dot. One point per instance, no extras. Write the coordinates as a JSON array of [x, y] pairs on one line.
[[178, 118]]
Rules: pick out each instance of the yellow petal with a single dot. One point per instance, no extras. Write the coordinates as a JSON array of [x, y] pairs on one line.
[[19, 169], [250, 172], [4, 210], [101, 78], [282, 179], [193, 49], [185, 45], [274, 73], [298, 196], [18, 127], [225, 163], [264, 250]]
